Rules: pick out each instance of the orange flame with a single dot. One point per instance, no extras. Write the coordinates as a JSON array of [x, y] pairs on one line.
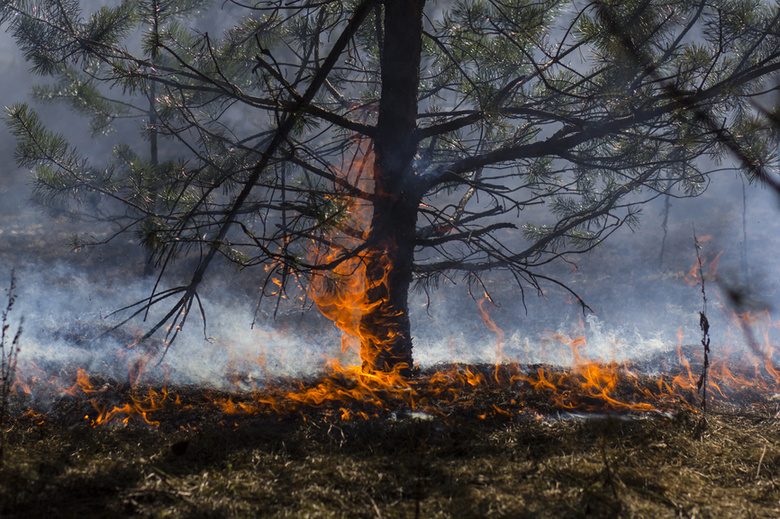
[[692, 276], [342, 292], [493, 327]]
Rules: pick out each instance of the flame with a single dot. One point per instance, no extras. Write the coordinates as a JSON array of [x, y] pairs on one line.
[[595, 385], [110, 404], [696, 272], [137, 409], [349, 392], [342, 385], [493, 327], [343, 293]]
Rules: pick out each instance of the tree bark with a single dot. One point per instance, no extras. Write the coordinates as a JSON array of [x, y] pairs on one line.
[[385, 327]]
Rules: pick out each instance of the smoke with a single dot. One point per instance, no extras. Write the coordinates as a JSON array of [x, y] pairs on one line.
[[640, 308], [641, 304]]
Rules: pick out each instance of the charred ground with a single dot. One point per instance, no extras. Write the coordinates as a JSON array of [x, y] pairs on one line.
[[204, 463]]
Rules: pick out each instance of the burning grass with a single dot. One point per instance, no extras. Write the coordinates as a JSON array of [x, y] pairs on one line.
[[346, 392], [474, 442]]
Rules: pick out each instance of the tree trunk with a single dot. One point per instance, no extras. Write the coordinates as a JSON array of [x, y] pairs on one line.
[[385, 328]]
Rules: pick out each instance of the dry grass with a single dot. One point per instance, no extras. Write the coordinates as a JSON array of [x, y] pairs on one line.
[[201, 462]]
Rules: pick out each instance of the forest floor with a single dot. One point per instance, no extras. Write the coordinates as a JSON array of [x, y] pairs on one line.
[[466, 460]]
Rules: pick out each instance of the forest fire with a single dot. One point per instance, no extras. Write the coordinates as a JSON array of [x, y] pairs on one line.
[[504, 391], [415, 173]]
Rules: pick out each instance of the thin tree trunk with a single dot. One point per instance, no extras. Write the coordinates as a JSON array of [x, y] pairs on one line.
[[385, 328], [155, 161], [153, 142]]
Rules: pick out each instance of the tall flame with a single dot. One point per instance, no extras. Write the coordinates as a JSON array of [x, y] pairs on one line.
[[342, 293]]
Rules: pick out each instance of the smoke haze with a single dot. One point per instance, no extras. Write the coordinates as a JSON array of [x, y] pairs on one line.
[[639, 298]]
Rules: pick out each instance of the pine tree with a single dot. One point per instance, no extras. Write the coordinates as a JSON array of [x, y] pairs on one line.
[[65, 180], [354, 148]]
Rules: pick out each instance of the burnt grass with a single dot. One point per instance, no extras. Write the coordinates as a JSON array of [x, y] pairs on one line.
[[463, 461]]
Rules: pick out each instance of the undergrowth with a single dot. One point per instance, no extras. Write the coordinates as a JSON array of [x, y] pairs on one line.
[[9, 353]]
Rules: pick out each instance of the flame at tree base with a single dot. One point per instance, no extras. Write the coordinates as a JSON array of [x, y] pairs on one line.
[[358, 278]]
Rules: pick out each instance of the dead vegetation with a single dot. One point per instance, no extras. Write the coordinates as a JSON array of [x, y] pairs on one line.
[[203, 462], [9, 353]]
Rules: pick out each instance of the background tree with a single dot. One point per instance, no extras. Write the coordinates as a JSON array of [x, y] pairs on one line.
[[136, 178], [353, 148]]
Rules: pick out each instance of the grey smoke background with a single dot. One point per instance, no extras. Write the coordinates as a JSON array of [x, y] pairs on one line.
[[639, 303]]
